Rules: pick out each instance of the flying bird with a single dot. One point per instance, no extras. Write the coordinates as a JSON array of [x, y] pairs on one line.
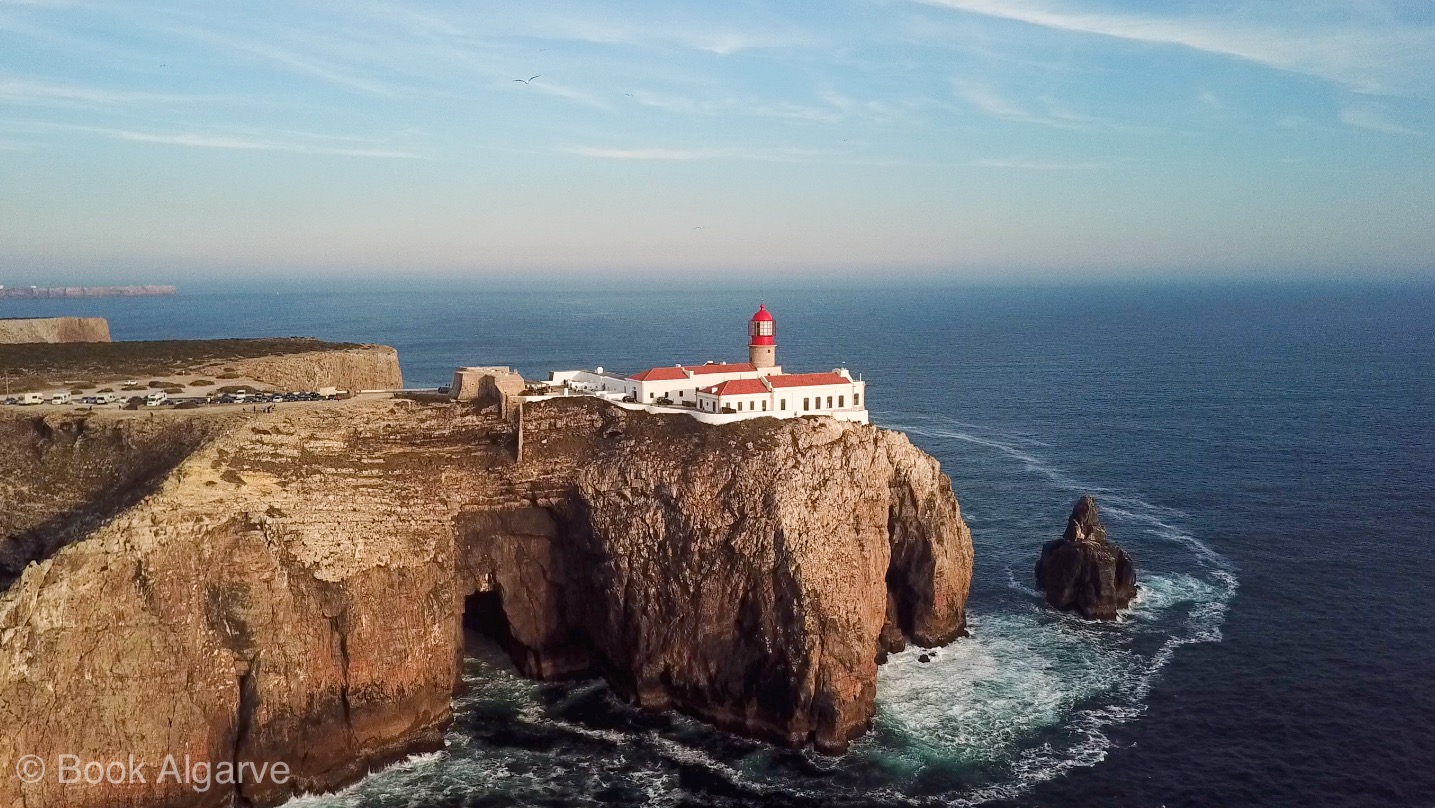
[[525, 81]]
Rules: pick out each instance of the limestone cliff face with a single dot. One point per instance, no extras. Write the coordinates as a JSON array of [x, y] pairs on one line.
[[743, 574], [54, 329], [371, 367], [66, 473], [295, 588]]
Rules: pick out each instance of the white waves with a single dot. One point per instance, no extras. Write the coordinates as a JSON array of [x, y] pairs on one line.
[[1031, 691]]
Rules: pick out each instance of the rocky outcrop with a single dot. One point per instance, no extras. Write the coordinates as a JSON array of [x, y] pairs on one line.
[[743, 574], [296, 588], [1084, 572], [367, 367], [54, 329]]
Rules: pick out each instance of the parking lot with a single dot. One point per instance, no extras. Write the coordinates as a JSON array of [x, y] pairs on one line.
[[151, 398]]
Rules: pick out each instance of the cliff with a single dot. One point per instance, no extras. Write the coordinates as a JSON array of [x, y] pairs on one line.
[[293, 363], [66, 474], [294, 589], [42, 292], [365, 367], [54, 329]]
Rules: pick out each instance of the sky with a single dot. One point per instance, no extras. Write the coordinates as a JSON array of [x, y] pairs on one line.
[[157, 141]]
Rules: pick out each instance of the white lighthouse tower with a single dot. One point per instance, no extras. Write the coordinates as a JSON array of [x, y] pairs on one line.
[[761, 343]]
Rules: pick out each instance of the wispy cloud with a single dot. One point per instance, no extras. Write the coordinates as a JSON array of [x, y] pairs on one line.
[[721, 38], [690, 154], [830, 106], [1037, 165], [302, 63], [560, 91], [1369, 57], [1365, 117], [25, 91], [1052, 114], [293, 143]]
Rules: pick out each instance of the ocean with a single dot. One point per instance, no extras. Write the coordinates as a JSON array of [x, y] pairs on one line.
[[1264, 451]]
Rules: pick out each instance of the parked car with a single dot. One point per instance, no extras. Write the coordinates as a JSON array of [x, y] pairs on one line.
[[106, 398], [156, 398], [32, 398], [60, 398]]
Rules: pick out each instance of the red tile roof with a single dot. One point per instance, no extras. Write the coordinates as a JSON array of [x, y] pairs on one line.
[[737, 387], [807, 379], [723, 367], [659, 375]]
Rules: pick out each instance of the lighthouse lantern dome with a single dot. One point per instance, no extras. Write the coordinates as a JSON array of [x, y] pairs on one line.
[[762, 342], [762, 327]]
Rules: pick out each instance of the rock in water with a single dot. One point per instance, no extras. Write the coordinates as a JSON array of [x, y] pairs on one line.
[[1082, 571]]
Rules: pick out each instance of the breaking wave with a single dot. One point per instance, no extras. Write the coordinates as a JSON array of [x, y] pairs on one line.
[[1028, 697]]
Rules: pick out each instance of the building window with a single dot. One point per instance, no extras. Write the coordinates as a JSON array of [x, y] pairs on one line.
[[841, 401], [856, 399], [804, 404], [652, 396], [764, 406], [782, 405]]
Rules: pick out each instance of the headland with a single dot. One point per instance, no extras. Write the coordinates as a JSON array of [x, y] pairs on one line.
[[294, 583], [47, 292]]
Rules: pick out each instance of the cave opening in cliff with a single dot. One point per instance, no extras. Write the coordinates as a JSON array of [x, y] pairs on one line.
[[484, 620]]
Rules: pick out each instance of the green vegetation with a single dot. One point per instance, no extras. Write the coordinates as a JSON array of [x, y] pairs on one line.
[[40, 366], [201, 383]]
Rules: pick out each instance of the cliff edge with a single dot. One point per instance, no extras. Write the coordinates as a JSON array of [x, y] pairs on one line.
[[54, 329], [365, 367], [294, 587]]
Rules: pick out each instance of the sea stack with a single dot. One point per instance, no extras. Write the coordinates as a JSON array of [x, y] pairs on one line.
[[1083, 572]]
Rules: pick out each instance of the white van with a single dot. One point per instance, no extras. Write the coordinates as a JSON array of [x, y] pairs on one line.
[[156, 398], [60, 398], [106, 398], [31, 398]]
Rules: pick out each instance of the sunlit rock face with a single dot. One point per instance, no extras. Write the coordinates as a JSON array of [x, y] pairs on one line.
[[293, 586]]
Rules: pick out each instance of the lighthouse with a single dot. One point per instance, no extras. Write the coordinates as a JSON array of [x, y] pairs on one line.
[[761, 346]]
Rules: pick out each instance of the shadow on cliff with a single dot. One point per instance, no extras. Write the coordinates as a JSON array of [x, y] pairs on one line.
[[65, 475], [752, 575]]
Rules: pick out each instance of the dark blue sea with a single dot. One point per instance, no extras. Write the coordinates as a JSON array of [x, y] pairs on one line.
[[1265, 451]]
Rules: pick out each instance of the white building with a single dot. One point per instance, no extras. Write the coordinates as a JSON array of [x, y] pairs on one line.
[[797, 393], [723, 392]]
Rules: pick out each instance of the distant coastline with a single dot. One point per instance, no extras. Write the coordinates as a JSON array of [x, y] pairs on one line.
[[42, 292]]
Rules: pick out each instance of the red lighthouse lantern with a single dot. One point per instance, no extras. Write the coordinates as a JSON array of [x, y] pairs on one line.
[[761, 343]]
